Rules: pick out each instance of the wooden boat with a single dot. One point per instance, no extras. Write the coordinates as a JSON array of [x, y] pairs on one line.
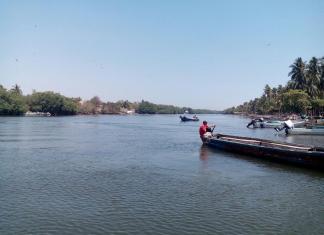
[[305, 131], [301, 155], [186, 119]]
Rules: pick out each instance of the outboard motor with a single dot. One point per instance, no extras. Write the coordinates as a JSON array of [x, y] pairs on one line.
[[251, 123], [254, 122], [286, 125]]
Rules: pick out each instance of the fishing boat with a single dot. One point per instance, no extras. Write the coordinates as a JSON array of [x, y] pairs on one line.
[[315, 126], [300, 123], [307, 156], [186, 119], [305, 131], [260, 123], [290, 129]]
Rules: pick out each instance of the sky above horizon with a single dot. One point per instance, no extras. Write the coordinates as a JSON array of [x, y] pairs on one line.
[[201, 54]]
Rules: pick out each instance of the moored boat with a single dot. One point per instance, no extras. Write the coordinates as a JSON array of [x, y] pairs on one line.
[[300, 123], [307, 156], [37, 114], [305, 131], [316, 127], [260, 123], [186, 119]]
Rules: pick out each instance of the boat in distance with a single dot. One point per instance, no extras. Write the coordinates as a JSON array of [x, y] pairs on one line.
[[186, 119], [301, 155]]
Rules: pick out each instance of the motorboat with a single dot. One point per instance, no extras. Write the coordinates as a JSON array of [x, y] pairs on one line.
[[186, 119], [260, 123]]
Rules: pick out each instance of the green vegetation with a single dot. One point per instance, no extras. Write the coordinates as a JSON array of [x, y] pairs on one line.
[[51, 102], [13, 102], [296, 101], [146, 107], [304, 92]]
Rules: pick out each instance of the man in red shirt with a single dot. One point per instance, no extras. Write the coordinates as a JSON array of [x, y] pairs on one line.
[[203, 129]]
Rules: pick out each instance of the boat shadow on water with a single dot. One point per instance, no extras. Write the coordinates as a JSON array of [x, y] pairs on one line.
[[206, 152]]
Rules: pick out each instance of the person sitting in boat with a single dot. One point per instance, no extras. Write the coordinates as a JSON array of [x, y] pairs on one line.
[[205, 131]]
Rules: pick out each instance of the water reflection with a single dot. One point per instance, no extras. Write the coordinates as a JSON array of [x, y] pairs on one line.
[[306, 139], [203, 153]]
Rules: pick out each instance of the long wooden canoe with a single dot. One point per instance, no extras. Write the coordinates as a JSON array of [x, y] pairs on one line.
[[302, 155]]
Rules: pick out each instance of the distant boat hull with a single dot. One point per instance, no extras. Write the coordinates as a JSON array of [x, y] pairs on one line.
[[274, 124], [299, 124], [265, 124], [37, 114], [305, 131], [301, 155], [186, 119], [269, 124]]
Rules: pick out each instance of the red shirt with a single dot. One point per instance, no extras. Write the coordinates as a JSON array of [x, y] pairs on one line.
[[203, 129]]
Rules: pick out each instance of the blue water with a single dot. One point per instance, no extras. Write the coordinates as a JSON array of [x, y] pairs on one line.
[[148, 175]]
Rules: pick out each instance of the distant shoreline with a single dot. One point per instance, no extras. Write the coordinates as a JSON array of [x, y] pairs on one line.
[[15, 103], [110, 114]]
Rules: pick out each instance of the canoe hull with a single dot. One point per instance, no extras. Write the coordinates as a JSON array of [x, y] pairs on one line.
[[301, 157]]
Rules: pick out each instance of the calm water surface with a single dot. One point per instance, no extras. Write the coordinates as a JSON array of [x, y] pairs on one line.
[[148, 175]]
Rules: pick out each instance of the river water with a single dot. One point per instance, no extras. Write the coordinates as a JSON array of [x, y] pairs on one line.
[[148, 175]]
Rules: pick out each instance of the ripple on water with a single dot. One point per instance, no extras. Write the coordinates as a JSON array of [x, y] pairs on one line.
[[146, 177]]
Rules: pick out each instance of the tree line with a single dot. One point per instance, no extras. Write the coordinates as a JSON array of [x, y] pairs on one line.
[[13, 102], [146, 107], [303, 93]]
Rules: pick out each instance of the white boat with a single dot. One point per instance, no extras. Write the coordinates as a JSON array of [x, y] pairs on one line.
[[37, 114], [265, 124], [305, 131], [298, 124]]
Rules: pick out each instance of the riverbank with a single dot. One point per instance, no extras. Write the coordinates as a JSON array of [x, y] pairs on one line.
[[14, 103]]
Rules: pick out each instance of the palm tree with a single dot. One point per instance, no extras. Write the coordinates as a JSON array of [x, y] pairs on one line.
[[268, 91], [16, 89], [312, 90], [322, 77], [313, 77], [274, 93], [297, 74]]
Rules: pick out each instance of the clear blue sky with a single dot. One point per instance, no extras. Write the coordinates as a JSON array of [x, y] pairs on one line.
[[203, 54]]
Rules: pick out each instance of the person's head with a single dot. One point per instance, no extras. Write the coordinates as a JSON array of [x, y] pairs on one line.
[[205, 122]]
